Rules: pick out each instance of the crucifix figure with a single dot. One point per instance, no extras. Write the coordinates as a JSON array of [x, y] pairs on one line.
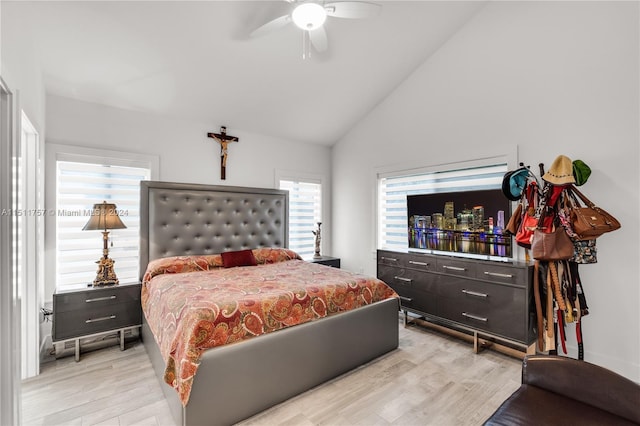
[[224, 140]]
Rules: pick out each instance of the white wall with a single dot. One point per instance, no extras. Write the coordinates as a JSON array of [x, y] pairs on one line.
[[186, 153], [20, 67], [550, 78], [22, 74]]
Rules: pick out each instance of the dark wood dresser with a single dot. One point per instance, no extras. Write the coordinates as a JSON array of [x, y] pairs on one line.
[[482, 298]]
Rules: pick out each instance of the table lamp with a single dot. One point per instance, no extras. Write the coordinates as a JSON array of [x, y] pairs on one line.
[[104, 217]]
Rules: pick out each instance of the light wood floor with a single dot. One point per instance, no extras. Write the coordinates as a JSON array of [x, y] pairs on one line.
[[431, 379]]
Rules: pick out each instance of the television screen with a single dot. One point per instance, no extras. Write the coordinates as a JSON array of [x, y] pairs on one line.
[[469, 222]]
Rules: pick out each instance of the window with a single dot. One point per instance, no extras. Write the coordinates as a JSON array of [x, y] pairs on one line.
[[305, 209], [80, 184], [393, 189]]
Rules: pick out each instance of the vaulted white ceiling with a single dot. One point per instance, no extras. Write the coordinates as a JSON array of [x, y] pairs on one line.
[[195, 60]]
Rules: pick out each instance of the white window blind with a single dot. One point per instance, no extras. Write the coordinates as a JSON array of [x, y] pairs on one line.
[[393, 191], [80, 185], [305, 209]]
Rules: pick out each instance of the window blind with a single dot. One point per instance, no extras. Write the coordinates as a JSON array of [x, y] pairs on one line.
[[80, 185], [305, 209], [393, 191]]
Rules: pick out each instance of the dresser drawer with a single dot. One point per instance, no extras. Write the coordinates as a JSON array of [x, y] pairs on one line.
[[407, 260], [463, 268], [93, 299], [415, 299], [416, 290], [419, 262], [463, 288], [390, 258], [496, 309], [98, 319], [405, 277], [502, 274]]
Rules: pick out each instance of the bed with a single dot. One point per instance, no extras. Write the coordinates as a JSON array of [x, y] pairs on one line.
[[236, 381]]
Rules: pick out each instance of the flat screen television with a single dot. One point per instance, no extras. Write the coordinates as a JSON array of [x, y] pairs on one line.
[[466, 223]]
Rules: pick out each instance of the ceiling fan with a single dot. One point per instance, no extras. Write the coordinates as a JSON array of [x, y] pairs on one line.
[[310, 15]]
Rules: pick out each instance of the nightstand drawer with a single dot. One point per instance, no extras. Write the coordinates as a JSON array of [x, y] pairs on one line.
[[82, 322], [93, 299]]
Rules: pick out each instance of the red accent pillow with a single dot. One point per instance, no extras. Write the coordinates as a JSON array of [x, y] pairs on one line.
[[238, 258]]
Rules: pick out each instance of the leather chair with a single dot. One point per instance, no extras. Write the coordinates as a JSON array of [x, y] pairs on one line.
[[557, 390]]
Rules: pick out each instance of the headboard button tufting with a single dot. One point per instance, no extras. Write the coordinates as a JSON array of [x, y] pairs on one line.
[[179, 219]]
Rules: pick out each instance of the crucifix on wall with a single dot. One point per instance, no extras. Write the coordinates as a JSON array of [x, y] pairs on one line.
[[223, 139]]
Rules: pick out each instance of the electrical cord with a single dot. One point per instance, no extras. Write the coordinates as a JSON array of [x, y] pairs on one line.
[[46, 313]]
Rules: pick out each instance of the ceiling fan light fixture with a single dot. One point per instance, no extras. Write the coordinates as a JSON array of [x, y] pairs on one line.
[[309, 16]]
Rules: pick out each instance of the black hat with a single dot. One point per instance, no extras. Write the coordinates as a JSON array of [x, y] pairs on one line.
[[514, 182]]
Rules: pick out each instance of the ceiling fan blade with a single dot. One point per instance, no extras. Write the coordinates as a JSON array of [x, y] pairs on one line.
[[270, 26], [318, 38], [352, 9]]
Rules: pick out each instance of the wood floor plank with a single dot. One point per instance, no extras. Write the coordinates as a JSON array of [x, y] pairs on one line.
[[431, 379]]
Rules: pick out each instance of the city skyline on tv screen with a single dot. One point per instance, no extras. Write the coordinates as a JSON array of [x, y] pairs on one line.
[[470, 222]]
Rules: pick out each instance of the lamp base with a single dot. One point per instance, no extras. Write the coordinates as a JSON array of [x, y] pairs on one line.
[[105, 275]]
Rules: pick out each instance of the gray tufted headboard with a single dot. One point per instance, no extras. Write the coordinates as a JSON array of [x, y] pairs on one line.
[[183, 219]]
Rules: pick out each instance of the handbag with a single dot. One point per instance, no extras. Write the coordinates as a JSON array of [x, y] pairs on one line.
[[584, 250], [590, 221], [529, 220], [549, 246], [514, 220], [554, 245]]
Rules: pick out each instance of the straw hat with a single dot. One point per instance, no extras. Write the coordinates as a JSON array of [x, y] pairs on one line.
[[560, 172]]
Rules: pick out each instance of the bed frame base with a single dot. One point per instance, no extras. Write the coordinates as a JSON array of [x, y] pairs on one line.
[[238, 381]]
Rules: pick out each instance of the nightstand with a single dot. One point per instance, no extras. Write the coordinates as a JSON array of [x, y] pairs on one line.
[[327, 260], [88, 311]]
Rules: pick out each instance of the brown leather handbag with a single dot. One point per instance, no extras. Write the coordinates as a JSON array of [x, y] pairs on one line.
[[589, 221], [514, 220], [554, 245], [551, 246]]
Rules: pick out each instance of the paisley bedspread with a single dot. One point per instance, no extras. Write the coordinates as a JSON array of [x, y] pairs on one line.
[[192, 303]]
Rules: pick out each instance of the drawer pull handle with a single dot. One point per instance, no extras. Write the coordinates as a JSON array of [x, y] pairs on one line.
[[418, 263], [497, 274], [475, 317], [406, 299], [391, 259], [110, 317], [406, 280], [98, 299], [454, 268], [474, 293]]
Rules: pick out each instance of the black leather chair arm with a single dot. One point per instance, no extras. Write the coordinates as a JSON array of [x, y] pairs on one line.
[[584, 382]]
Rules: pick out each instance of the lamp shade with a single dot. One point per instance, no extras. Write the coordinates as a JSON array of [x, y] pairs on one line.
[[309, 16], [104, 216]]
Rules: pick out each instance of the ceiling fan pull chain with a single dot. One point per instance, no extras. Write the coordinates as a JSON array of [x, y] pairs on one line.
[[306, 45]]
